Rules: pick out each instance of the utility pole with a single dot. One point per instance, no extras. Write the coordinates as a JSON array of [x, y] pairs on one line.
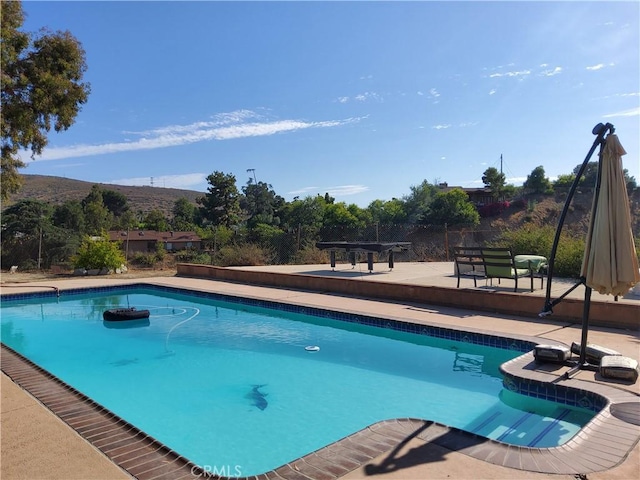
[[254, 174]]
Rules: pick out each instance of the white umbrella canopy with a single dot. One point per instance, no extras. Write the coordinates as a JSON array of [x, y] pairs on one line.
[[610, 264]]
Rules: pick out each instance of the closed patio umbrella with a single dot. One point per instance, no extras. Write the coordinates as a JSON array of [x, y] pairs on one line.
[[610, 264]]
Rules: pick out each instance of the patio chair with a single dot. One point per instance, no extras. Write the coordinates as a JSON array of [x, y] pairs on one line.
[[468, 263], [499, 263]]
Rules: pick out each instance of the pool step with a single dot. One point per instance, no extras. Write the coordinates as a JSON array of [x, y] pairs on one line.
[[521, 428]]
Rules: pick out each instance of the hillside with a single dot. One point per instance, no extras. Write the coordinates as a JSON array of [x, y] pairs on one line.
[[540, 210], [57, 190]]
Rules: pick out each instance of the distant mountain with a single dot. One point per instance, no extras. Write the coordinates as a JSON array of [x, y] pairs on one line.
[[57, 190]]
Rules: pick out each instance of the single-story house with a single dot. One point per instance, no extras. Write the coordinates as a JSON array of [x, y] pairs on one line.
[[478, 196], [146, 241]]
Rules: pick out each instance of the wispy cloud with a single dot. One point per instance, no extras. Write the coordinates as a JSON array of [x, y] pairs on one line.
[[337, 191], [167, 181], [345, 190], [599, 66], [434, 93], [362, 97], [492, 91], [444, 126], [633, 112], [514, 73], [227, 126], [550, 72]]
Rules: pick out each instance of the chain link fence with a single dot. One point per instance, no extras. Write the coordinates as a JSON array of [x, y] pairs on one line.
[[428, 242]]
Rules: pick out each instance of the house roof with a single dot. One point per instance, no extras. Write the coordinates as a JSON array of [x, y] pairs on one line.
[[153, 235]]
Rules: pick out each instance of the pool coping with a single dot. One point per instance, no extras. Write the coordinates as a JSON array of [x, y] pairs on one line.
[[602, 444]]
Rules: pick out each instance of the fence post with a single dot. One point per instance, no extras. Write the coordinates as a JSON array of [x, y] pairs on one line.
[[446, 241]]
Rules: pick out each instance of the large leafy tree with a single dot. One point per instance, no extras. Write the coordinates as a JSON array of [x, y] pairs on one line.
[[41, 88], [537, 182], [495, 180], [417, 202], [156, 220], [388, 212], [261, 203], [452, 208], [24, 225], [184, 215], [590, 176], [221, 204]]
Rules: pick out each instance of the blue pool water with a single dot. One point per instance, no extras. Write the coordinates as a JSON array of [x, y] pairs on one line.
[[232, 386]]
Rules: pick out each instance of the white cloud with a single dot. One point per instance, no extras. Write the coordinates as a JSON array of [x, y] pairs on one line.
[[345, 190], [366, 96], [343, 99], [226, 126], [442, 127], [303, 190], [337, 191], [167, 181], [492, 91], [420, 93], [434, 93], [515, 73], [599, 66], [551, 73], [633, 112]]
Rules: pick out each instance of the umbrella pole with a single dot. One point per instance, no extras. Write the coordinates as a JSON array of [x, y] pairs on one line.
[[582, 362], [600, 130]]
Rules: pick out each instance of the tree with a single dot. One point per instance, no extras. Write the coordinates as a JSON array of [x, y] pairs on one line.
[[564, 181], [155, 220], [494, 180], [115, 202], [221, 205], [452, 208], [590, 176], [184, 215], [261, 203], [391, 212], [99, 253], [26, 230], [41, 88], [537, 182], [417, 202], [70, 216]]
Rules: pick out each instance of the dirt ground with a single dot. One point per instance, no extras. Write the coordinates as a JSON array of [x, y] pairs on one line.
[[24, 277]]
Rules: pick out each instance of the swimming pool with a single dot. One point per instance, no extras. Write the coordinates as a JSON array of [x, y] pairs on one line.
[[227, 378]]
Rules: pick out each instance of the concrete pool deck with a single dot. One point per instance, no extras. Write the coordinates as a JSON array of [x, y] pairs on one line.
[[37, 444]]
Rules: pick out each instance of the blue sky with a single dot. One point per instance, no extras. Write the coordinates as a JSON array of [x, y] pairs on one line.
[[358, 99]]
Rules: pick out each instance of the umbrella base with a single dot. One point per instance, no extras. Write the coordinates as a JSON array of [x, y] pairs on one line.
[[580, 366]]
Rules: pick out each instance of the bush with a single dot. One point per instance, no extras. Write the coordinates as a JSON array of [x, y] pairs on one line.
[[493, 209], [144, 260], [539, 241], [310, 255], [241, 255], [98, 253], [193, 256]]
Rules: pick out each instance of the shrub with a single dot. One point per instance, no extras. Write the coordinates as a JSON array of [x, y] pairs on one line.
[[98, 253], [144, 259], [539, 241], [519, 203], [310, 255], [493, 209], [242, 255], [193, 256]]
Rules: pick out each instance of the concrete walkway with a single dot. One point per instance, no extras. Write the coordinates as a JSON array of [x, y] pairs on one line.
[[35, 444]]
